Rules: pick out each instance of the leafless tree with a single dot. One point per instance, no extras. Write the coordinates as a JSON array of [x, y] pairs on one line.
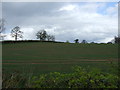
[[50, 38], [2, 28], [117, 39], [2, 25], [16, 33]]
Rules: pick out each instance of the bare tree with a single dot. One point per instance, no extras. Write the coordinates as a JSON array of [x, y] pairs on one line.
[[117, 39], [50, 37], [2, 25], [42, 35], [2, 28], [16, 33]]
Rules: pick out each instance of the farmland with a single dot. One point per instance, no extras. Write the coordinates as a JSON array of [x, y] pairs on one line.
[[45, 57]]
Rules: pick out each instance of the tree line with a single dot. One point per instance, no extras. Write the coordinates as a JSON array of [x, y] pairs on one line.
[[42, 35], [16, 33], [83, 41]]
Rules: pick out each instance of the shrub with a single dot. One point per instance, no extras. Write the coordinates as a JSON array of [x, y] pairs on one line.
[[80, 78]]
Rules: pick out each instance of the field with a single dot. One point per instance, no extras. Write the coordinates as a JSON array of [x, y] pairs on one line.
[[45, 57]]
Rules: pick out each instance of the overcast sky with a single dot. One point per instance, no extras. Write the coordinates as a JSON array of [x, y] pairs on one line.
[[96, 22]]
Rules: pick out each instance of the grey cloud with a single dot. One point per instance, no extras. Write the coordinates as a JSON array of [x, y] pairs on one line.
[[65, 25], [29, 9], [29, 13]]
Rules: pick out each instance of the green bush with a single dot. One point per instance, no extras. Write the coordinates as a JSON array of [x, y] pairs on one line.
[[80, 78]]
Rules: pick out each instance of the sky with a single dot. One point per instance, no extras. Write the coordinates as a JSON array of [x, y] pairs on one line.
[[91, 21]]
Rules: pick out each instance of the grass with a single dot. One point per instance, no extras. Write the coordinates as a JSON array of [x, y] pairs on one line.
[[45, 57]]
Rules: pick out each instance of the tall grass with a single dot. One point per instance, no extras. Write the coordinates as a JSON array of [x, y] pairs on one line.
[[17, 79]]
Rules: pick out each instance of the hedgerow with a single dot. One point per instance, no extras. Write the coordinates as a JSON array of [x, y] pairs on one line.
[[79, 78]]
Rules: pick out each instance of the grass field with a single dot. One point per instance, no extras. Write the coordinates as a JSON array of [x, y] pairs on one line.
[[44, 57]]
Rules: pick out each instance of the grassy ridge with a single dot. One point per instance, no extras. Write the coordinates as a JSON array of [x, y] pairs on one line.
[[56, 56], [58, 51]]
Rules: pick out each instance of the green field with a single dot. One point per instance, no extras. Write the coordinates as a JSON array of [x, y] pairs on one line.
[[45, 57]]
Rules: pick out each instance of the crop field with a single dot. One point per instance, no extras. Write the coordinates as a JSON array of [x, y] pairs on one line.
[[45, 57]]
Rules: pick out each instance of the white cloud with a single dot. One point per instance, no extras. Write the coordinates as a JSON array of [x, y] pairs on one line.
[[67, 8], [109, 39], [73, 20], [8, 37], [29, 33], [60, 1]]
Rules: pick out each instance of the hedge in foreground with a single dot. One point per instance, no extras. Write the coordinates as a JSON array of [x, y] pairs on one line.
[[80, 78]]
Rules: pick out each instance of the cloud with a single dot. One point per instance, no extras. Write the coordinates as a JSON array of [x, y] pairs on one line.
[[67, 21], [67, 8], [59, 1]]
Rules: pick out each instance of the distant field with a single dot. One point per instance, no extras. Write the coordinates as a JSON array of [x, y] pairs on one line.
[[44, 57]]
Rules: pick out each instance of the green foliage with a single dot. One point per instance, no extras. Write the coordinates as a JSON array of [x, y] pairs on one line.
[[60, 57], [67, 41], [41, 35], [80, 78]]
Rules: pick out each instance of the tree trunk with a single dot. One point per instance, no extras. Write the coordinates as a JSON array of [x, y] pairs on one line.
[[16, 37]]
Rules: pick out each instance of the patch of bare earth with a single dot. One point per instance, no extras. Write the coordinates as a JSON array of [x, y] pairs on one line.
[[61, 61]]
